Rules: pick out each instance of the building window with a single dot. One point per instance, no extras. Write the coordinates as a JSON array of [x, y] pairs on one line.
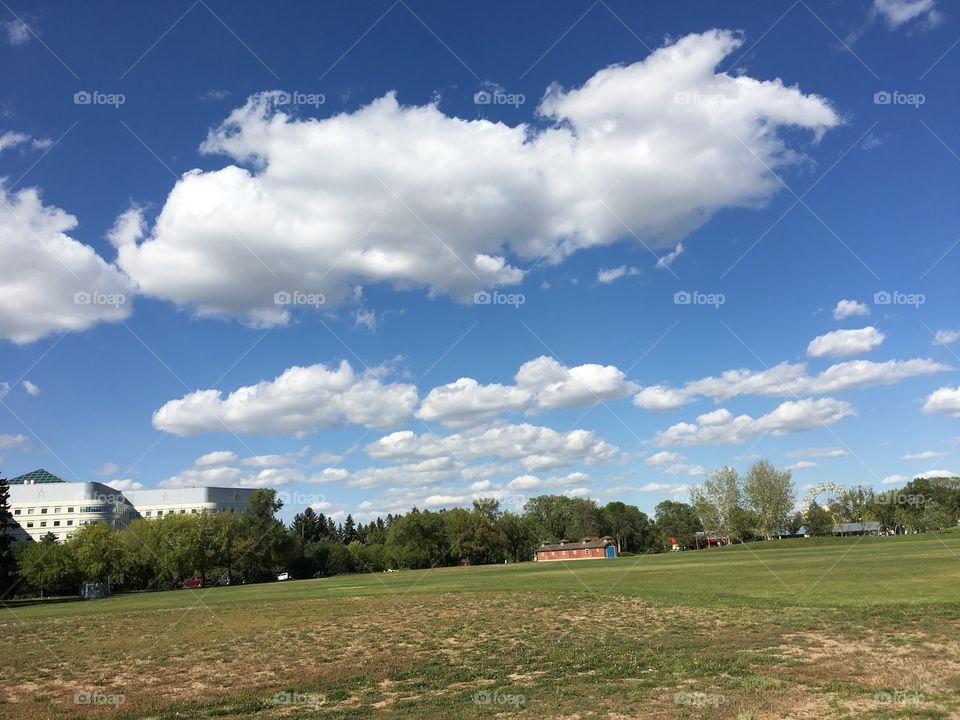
[[193, 511], [69, 522], [183, 512], [17, 511], [43, 523], [29, 511], [56, 510], [29, 525], [69, 509], [56, 523], [43, 511]]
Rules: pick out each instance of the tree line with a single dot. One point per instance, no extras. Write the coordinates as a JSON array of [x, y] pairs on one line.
[[255, 546]]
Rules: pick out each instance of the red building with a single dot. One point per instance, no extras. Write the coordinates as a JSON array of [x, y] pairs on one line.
[[584, 550]]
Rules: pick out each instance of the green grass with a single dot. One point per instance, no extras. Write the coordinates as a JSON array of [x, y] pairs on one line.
[[806, 626]]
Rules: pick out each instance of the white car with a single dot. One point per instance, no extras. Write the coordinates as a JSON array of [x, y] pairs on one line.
[[283, 576]]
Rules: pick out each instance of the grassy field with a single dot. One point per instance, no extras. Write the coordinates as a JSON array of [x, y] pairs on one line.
[[855, 627]]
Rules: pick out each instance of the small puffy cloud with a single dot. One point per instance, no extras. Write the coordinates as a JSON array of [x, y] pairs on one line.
[[801, 465], [721, 427], [52, 283], [300, 400], [217, 457], [667, 260], [269, 460], [841, 343], [664, 457], [850, 308], [8, 442], [296, 193], [898, 13], [658, 398], [125, 484], [928, 455], [17, 32], [31, 389], [894, 479], [107, 469], [946, 337], [945, 400], [610, 275], [322, 458]]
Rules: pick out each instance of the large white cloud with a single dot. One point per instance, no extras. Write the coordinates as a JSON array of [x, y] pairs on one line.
[[411, 197], [843, 343], [787, 379], [945, 400], [541, 384], [300, 400], [51, 282], [721, 427], [534, 447]]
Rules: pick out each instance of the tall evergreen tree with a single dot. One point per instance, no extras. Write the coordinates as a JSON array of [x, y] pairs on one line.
[[8, 564]]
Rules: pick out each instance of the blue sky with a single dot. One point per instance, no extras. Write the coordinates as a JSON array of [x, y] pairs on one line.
[[247, 245]]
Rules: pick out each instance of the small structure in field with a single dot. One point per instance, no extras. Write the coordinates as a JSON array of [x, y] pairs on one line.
[[710, 539], [586, 549]]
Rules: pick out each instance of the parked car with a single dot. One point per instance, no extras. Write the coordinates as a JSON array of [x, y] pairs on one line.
[[223, 580], [195, 582], [283, 576]]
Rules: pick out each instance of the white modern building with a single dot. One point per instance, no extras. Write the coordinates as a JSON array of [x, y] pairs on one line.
[[42, 503]]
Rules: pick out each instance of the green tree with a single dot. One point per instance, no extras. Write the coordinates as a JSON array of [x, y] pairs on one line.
[[770, 494], [48, 567], [8, 563], [676, 520], [818, 520], [519, 535]]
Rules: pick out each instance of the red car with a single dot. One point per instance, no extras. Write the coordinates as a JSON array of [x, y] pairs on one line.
[[195, 582]]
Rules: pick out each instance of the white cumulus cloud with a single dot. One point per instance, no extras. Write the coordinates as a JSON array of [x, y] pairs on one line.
[[850, 308], [945, 400], [300, 400], [842, 343], [410, 197]]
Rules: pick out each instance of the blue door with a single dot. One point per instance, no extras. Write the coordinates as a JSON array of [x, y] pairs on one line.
[[611, 551]]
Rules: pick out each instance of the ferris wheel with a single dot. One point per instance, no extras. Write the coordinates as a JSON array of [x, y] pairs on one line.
[[826, 496]]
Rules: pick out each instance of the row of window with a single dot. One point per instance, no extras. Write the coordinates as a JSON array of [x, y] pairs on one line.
[[43, 510], [193, 511], [56, 523], [566, 553]]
